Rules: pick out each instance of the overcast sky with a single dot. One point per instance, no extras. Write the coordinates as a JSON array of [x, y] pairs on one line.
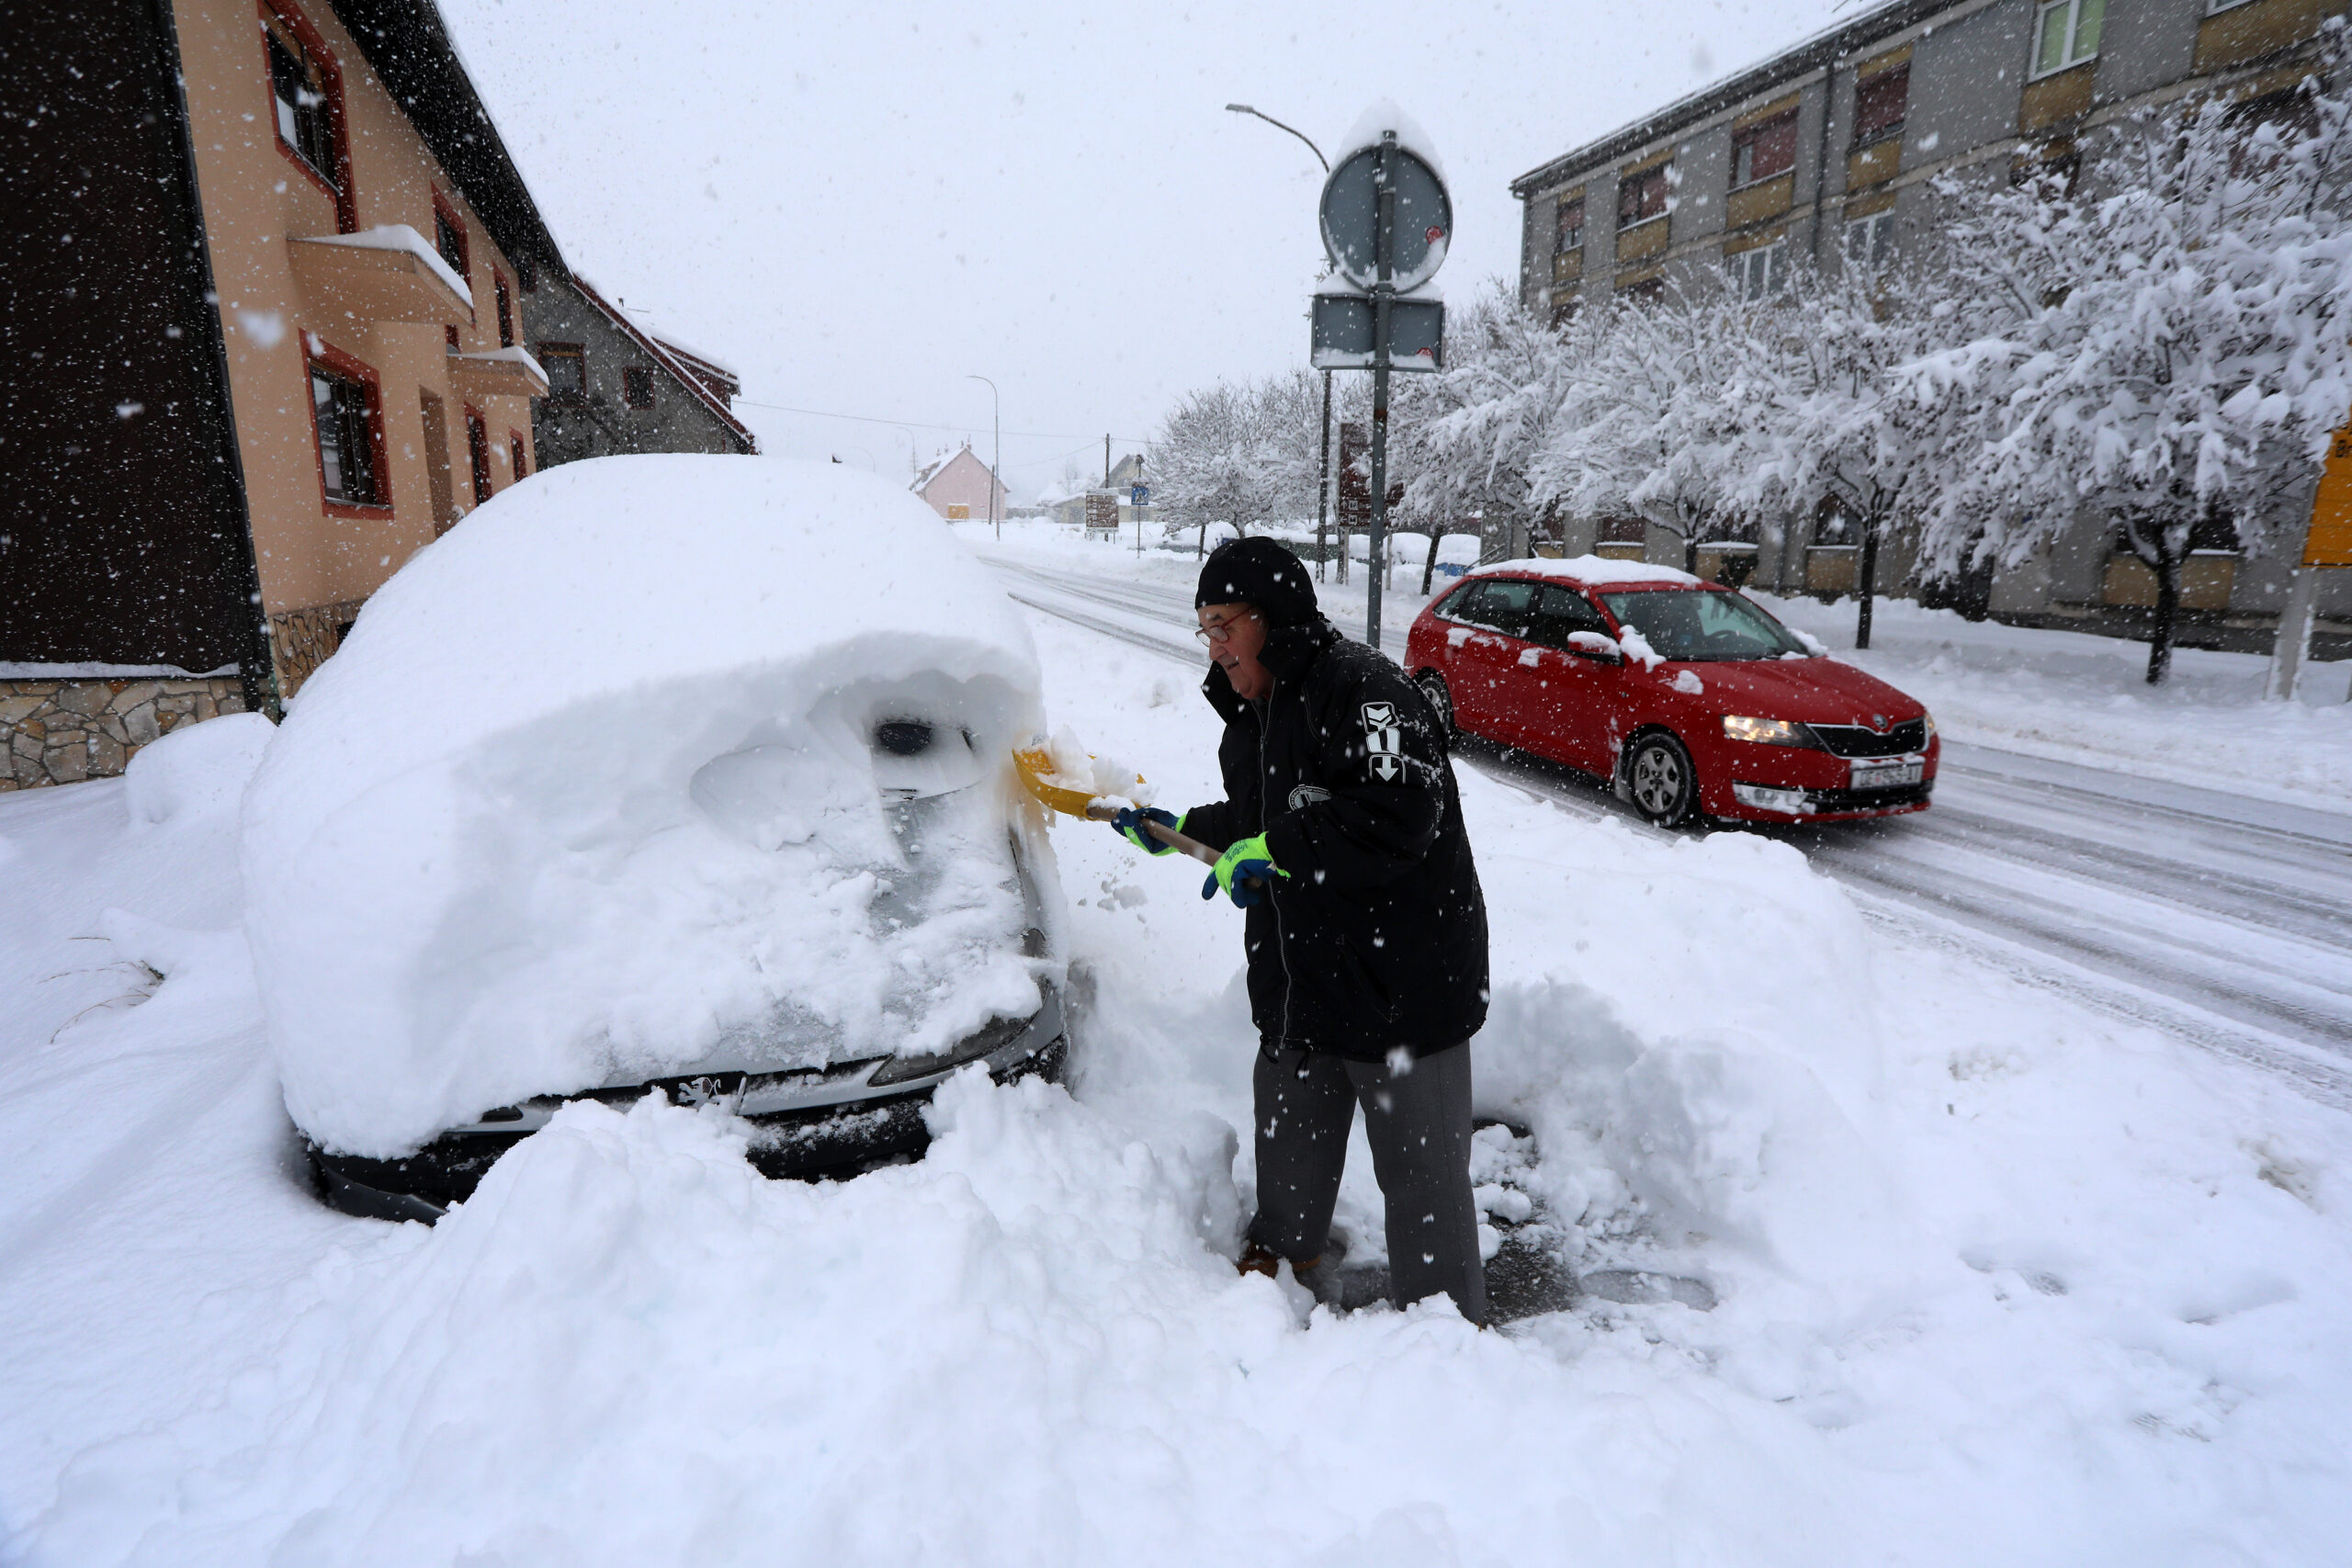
[[859, 207]]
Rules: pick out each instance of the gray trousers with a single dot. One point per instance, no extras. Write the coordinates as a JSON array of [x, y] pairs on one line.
[[1418, 1123]]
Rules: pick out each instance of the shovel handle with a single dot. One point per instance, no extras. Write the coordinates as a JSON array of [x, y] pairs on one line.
[[1169, 836]]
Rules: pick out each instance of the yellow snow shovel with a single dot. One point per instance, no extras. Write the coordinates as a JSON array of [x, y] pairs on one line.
[[1072, 798]]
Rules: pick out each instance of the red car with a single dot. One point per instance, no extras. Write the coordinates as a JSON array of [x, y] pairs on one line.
[[1686, 696]]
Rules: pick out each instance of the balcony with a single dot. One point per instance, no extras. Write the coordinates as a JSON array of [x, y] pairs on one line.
[[387, 274], [501, 373]]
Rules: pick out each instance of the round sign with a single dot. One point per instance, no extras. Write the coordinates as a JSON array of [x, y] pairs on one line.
[[1350, 219]]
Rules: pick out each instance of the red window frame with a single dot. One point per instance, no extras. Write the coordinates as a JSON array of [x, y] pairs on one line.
[[347, 208], [505, 307], [317, 351], [478, 453], [516, 452], [446, 211]]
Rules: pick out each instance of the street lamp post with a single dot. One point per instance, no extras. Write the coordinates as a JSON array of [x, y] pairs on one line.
[[996, 407], [1323, 470]]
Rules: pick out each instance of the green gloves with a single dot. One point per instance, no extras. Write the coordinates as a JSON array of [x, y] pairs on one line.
[[1129, 825], [1248, 862]]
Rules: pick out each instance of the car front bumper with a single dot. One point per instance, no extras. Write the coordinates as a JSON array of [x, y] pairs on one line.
[[811, 1126], [1777, 802]]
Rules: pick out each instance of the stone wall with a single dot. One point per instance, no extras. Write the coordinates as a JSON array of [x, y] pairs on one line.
[[304, 639], [65, 730]]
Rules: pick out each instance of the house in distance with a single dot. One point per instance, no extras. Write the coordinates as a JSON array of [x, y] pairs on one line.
[[958, 486]]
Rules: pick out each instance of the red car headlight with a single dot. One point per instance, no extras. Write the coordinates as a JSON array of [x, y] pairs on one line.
[[1767, 731]]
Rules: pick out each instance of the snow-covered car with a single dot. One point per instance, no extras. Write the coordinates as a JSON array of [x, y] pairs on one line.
[[671, 774], [1688, 697]]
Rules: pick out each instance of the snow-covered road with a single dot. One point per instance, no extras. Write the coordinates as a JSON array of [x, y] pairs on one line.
[[2220, 919]]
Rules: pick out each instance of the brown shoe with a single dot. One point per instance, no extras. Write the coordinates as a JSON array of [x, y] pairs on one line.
[[1259, 1259]]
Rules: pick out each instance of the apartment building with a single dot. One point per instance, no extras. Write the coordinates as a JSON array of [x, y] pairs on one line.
[[1827, 150]]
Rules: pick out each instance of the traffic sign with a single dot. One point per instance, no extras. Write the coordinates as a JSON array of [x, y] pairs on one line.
[[1351, 218], [1343, 335], [1139, 495]]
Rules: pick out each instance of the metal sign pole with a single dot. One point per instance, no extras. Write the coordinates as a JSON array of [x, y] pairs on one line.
[[1383, 292], [1323, 486]]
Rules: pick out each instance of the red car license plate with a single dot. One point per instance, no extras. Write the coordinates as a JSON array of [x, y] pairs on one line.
[[1892, 773]]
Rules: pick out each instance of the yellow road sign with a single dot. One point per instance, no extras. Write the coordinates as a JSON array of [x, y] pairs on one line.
[[2330, 541]]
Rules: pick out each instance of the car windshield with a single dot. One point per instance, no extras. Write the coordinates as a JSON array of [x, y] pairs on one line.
[[1681, 625]]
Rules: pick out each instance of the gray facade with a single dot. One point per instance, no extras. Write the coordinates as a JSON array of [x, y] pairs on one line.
[[1971, 104], [612, 389]]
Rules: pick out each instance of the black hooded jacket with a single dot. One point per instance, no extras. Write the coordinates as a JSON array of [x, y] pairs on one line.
[[1377, 938]]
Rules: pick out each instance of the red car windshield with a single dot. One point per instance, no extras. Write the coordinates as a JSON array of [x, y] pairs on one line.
[[1679, 624]]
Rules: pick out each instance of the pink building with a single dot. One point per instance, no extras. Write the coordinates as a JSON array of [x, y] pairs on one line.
[[957, 486]]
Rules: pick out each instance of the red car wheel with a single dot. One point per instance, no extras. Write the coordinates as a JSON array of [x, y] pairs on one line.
[[1660, 779], [1433, 686]]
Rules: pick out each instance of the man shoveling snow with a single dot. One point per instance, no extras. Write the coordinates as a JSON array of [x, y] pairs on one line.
[[1341, 835]]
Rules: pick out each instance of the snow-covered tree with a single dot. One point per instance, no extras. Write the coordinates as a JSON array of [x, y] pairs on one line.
[[1823, 378], [1651, 419], [2179, 346], [1469, 433]]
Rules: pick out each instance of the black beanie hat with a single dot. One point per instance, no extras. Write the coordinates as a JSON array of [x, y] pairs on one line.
[[1259, 572]]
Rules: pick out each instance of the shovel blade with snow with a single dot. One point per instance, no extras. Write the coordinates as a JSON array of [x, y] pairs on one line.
[[1057, 791]]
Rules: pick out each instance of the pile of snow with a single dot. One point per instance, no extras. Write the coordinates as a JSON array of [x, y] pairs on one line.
[[596, 790]]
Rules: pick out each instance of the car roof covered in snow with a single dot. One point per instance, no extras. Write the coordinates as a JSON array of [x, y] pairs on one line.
[[1594, 571]]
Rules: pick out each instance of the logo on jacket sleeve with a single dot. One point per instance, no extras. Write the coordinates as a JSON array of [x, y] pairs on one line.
[[1384, 741]]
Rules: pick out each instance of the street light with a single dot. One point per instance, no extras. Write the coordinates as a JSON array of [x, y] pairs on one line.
[[996, 407], [1270, 119], [1323, 471]]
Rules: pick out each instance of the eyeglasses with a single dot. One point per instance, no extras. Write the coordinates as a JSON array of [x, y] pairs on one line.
[[1222, 631]]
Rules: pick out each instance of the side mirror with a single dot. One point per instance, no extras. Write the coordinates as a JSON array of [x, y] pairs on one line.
[[1593, 646]]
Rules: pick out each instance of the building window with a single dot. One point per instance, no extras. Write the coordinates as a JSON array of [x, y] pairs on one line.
[[306, 101], [505, 308], [1764, 151], [1761, 272], [2215, 8], [349, 430], [567, 367], [1641, 196], [518, 454], [1870, 243], [1880, 104], [449, 237], [478, 453], [1649, 291], [1568, 230], [2066, 33], [637, 387]]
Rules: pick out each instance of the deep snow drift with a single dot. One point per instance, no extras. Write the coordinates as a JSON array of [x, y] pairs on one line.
[[1996, 1279], [594, 793]]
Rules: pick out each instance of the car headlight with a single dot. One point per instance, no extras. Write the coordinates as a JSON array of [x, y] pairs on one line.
[[1766, 731], [1929, 720]]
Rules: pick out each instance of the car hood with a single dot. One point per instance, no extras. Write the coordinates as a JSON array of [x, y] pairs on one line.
[[1815, 690]]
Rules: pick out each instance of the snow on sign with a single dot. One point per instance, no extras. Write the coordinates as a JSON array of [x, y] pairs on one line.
[[1351, 214]]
